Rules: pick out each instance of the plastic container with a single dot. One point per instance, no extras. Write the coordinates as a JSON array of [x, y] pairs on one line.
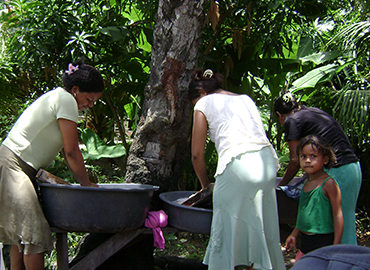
[[106, 209], [186, 218]]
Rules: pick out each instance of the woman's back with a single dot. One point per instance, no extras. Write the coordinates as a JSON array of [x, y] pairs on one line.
[[234, 125], [309, 120]]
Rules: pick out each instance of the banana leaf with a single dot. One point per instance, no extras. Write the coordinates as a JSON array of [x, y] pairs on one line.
[[314, 76], [97, 148]]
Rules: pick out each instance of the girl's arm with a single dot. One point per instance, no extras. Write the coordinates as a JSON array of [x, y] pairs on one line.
[[72, 153], [291, 241], [198, 145], [293, 165], [332, 191]]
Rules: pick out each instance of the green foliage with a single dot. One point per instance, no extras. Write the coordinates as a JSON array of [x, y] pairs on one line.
[[97, 148], [7, 120], [41, 38], [342, 71], [185, 245], [318, 47], [73, 240], [59, 168]]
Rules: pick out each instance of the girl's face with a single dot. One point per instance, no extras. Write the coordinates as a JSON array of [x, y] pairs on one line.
[[85, 100], [311, 160]]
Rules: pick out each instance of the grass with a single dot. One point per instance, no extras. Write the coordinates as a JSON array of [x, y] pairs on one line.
[[184, 245]]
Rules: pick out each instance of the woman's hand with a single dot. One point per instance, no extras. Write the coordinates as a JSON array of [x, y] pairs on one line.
[[91, 185]]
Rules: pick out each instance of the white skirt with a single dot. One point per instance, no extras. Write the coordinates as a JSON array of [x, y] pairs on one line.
[[245, 227]]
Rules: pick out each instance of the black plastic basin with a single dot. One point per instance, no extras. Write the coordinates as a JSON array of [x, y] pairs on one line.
[[190, 219], [108, 208]]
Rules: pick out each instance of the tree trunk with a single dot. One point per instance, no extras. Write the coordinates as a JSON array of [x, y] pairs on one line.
[[160, 147]]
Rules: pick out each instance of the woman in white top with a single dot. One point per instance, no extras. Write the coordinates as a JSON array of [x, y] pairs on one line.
[[245, 228], [47, 126]]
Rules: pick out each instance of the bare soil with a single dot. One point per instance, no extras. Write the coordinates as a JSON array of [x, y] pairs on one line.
[[188, 247]]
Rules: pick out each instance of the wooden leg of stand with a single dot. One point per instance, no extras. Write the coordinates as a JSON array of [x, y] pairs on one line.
[[62, 251]]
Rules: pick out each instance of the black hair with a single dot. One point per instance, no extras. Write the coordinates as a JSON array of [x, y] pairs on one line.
[[204, 80], [286, 103], [86, 77], [321, 146]]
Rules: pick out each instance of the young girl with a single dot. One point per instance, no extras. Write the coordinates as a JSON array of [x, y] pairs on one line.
[[320, 217]]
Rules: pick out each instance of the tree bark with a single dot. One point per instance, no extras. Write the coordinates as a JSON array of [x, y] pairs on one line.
[[160, 147]]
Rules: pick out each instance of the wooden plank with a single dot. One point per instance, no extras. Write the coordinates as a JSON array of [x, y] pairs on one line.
[[50, 178], [200, 196], [100, 254], [62, 251]]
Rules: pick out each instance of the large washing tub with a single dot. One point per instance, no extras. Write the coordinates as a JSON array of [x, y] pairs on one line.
[[108, 208], [190, 219], [198, 220]]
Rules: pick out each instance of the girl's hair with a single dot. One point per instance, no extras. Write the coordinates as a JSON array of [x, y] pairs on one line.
[[206, 81], [286, 103], [321, 145], [87, 77]]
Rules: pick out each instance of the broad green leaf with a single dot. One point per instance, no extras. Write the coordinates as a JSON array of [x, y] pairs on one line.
[[322, 57], [97, 148], [314, 76]]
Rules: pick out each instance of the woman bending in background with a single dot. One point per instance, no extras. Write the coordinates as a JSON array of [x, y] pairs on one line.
[[245, 229]]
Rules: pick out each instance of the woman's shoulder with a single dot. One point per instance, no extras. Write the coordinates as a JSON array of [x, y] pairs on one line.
[[57, 91], [304, 114], [60, 90], [57, 96]]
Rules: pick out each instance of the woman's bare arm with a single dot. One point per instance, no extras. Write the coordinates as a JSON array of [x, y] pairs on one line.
[[72, 153], [199, 137]]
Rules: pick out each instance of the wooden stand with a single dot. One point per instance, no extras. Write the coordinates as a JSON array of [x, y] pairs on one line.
[[100, 254], [287, 209]]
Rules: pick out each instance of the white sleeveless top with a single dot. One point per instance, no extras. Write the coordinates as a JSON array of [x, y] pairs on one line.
[[234, 125]]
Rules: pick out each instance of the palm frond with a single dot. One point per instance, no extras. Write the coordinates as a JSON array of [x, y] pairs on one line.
[[352, 111], [354, 36]]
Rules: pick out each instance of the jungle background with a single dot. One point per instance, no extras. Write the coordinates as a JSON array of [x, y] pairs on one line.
[[319, 50]]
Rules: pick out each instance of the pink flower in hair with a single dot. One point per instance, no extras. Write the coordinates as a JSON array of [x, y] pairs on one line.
[[71, 69]]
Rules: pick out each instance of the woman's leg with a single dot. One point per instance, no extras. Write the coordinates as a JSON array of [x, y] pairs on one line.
[[34, 261], [16, 259], [20, 261]]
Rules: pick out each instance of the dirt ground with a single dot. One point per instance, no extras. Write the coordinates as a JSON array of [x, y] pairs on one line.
[[184, 245]]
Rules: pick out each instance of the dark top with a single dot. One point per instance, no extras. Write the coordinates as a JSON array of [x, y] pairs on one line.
[[313, 121]]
